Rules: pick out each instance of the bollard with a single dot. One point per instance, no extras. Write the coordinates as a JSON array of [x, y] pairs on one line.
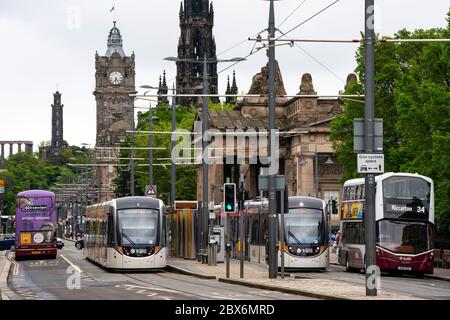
[[227, 258]]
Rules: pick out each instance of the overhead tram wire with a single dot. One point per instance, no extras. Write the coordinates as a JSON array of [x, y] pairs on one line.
[[292, 29], [315, 59], [308, 19], [290, 15]]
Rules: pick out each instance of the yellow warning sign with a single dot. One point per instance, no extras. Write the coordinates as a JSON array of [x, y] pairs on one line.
[[25, 238]]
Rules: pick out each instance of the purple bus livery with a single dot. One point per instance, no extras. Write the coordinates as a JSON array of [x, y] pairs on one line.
[[36, 224]]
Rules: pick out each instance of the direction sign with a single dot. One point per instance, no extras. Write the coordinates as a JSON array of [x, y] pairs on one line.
[[370, 163], [2, 186], [151, 190]]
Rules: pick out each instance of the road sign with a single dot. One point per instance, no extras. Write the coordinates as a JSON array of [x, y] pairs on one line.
[[263, 183], [359, 134], [151, 190], [370, 163], [2, 186]]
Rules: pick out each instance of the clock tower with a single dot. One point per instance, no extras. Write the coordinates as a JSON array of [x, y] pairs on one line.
[[114, 82]]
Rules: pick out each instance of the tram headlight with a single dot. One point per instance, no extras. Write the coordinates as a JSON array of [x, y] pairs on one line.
[[132, 251], [299, 250]]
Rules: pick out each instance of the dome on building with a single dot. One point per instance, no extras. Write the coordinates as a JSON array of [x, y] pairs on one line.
[[115, 42]]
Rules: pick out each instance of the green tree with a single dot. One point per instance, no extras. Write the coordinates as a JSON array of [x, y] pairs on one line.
[[186, 174], [412, 96]]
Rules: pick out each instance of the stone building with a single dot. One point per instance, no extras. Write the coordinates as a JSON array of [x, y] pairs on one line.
[[114, 82], [306, 155], [195, 43]]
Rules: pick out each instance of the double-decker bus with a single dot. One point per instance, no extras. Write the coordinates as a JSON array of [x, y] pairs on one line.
[[36, 224], [126, 233], [404, 213]]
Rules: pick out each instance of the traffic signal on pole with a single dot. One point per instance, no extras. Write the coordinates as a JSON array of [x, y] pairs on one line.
[[229, 195], [334, 208]]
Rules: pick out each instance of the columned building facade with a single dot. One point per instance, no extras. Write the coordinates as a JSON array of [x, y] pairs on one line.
[[306, 154]]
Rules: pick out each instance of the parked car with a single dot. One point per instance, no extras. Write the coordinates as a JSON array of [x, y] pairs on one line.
[[8, 242], [79, 244], [59, 244]]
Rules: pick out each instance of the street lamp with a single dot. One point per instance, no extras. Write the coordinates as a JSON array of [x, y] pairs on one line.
[[174, 123], [328, 162], [205, 210], [150, 136]]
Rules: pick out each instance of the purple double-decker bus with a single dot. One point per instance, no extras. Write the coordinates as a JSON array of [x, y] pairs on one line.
[[36, 224]]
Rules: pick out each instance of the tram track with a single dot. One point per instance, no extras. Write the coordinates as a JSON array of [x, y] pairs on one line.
[[186, 293]]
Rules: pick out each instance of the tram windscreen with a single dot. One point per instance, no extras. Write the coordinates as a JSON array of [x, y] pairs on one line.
[[405, 237], [138, 226], [304, 226]]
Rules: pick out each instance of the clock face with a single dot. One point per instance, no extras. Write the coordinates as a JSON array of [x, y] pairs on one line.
[[115, 77]]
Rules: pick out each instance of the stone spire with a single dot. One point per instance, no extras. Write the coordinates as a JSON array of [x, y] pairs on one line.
[[163, 89], [228, 100], [195, 42], [115, 42], [234, 88]]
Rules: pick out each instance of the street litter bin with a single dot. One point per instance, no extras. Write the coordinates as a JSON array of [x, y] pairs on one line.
[[212, 253]]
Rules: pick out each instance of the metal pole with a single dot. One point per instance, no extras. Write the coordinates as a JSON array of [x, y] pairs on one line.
[[283, 211], [150, 145], [273, 256], [369, 217], [132, 160], [205, 213], [173, 187], [241, 224], [316, 172]]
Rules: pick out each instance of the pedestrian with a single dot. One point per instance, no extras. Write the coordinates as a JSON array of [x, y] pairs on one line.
[[338, 238]]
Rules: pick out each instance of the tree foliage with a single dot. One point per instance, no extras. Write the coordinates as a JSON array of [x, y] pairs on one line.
[[412, 82], [25, 171]]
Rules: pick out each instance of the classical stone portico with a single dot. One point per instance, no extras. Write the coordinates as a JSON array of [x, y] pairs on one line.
[[306, 154]]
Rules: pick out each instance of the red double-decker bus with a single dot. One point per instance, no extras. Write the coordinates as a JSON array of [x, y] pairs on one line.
[[404, 212]]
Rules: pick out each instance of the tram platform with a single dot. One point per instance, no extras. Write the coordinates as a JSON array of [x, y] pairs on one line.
[[256, 276]]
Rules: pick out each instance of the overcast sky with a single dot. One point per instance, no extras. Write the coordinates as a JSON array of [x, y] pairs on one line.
[[50, 44]]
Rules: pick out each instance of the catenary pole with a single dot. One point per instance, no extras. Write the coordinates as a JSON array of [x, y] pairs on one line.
[[369, 217], [272, 254]]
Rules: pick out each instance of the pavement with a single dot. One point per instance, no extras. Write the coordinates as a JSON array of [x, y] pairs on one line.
[[256, 276], [5, 265]]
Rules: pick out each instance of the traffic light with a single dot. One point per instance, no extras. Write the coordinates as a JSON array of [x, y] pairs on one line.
[[229, 195], [334, 208]]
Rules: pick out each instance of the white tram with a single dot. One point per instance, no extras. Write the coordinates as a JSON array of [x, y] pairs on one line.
[[126, 233]]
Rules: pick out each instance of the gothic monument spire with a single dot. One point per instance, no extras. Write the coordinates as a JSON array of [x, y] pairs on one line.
[[196, 41]]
